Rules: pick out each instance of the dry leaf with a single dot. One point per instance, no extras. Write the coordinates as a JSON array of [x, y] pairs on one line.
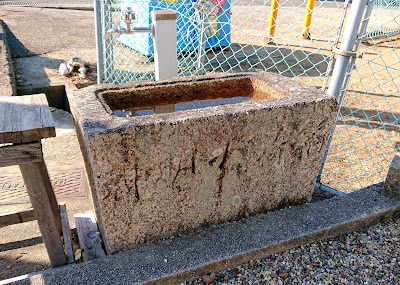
[[208, 278]]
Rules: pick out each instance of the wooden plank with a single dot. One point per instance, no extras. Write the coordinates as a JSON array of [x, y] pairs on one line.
[[67, 234], [21, 216], [25, 119], [10, 112], [28, 116], [42, 197], [20, 154], [89, 236]]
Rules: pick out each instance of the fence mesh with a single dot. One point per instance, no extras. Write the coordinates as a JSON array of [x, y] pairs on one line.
[[237, 33], [384, 19], [237, 38]]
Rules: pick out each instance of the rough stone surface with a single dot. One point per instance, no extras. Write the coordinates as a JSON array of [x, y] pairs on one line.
[[156, 176], [392, 182], [7, 77], [189, 256]]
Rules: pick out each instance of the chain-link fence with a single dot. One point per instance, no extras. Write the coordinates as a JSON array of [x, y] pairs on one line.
[[238, 37], [385, 18], [236, 33]]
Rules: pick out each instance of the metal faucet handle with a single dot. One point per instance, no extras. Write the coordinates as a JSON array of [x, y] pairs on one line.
[[128, 14]]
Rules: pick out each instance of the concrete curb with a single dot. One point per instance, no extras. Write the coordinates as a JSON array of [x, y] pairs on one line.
[[7, 77], [219, 247]]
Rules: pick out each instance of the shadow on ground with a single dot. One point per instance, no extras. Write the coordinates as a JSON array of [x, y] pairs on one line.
[[15, 264]]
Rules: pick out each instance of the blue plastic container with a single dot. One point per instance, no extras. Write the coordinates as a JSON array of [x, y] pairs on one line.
[[218, 32]]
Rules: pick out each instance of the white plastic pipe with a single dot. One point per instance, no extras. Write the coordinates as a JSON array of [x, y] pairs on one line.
[[165, 49]]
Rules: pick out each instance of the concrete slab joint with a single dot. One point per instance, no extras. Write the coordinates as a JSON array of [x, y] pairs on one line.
[[159, 175]]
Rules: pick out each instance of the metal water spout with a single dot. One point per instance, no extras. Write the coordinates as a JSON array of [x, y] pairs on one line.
[[163, 31], [128, 16]]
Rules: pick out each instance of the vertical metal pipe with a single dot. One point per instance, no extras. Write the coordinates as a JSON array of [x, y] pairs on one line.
[[272, 19], [307, 19], [339, 32], [349, 36], [202, 44], [107, 10], [99, 42], [356, 48], [340, 69]]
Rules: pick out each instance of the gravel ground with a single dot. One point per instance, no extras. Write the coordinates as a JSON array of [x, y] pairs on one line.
[[369, 256]]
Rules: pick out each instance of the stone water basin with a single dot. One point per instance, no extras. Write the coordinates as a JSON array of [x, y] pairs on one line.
[[175, 155]]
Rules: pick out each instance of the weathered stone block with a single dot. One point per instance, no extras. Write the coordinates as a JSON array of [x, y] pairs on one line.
[[392, 182], [159, 175]]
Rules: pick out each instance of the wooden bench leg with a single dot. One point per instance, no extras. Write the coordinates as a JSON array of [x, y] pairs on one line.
[[46, 209]]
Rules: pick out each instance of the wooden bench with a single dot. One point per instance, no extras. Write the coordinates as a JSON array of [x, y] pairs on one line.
[[24, 121]]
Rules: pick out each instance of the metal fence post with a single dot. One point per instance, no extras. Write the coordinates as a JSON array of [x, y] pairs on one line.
[[99, 42], [165, 48], [348, 40], [356, 48], [342, 63]]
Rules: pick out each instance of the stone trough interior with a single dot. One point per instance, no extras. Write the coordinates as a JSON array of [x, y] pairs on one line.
[[185, 96]]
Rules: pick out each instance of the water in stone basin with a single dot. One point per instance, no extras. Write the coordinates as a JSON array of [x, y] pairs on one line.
[[187, 105]]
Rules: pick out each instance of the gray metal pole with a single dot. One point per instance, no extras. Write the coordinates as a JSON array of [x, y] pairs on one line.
[[336, 41], [356, 48], [202, 45], [99, 42], [349, 36], [342, 62]]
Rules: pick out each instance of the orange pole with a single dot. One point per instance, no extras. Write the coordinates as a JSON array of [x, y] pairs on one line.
[[307, 19], [272, 19]]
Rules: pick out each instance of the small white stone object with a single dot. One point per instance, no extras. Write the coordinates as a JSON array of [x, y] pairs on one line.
[[82, 71], [67, 67], [63, 69]]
